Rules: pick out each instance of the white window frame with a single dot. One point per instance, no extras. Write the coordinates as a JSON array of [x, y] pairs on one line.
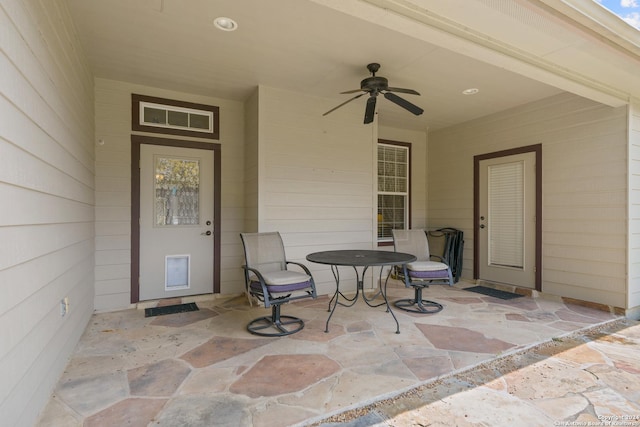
[[386, 240]]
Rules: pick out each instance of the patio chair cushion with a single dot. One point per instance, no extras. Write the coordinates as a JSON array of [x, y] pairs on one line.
[[435, 274], [274, 289], [282, 281], [284, 277], [427, 266]]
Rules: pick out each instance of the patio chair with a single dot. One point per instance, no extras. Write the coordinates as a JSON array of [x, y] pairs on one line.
[[268, 279], [420, 273]]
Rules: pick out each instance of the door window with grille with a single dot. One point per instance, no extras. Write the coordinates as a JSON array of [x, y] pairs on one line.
[[393, 189], [177, 191]]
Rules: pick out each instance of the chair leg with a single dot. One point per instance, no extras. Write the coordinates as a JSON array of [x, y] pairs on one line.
[[276, 325], [418, 305]]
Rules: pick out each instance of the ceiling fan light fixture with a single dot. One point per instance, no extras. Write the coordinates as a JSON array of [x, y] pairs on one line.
[[470, 91], [225, 24]]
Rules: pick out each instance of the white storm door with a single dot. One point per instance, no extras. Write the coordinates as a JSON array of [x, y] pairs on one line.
[[176, 221], [507, 220]]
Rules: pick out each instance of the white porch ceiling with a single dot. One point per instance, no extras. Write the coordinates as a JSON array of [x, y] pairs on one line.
[[321, 48]]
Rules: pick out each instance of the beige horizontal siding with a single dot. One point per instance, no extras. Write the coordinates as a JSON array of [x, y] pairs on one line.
[[47, 186], [634, 208], [584, 189], [317, 178]]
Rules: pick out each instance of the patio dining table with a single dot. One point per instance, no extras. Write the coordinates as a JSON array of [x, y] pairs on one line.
[[363, 259]]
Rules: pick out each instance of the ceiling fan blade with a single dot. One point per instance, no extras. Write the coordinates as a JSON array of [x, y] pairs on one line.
[[351, 91], [370, 110], [345, 102], [401, 90], [403, 103]]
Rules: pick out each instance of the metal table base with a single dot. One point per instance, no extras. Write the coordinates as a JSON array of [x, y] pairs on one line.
[[360, 259]]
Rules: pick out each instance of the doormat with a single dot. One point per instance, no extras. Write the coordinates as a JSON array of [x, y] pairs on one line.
[[493, 292], [170, 309]]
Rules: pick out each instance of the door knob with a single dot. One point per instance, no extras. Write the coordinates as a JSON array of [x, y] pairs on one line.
[[206, 233]]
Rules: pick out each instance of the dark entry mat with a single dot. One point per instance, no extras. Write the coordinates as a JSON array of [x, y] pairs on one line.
[[170, 309], [493, 292]]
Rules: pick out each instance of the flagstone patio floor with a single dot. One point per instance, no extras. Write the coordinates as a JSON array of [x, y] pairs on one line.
[[481, 361]]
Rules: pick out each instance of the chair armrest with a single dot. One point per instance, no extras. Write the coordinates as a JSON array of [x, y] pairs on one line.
[[304, 267], [254, 271], [403, 274], [258, 275], [265, 296], [439, 258]]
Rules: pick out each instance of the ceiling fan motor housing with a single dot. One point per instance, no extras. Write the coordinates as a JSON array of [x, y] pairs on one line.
[[371, 84]]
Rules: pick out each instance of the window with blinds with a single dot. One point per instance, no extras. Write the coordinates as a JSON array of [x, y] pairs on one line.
[[393, 189], [506, 214]]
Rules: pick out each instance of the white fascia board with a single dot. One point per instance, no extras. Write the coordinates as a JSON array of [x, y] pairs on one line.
[[405, 16], [595, 17]]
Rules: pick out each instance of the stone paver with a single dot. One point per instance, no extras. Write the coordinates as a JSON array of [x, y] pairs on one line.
[[480, 361], [283, 374], [570, 381]]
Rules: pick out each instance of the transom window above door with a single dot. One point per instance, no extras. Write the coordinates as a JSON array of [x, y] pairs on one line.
[[159, 115]]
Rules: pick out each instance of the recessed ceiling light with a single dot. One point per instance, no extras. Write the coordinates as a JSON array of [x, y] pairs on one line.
[[470, 91], [225, 24]]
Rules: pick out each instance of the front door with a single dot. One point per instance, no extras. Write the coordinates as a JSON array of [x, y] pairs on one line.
[[506, 223], [176, 221]]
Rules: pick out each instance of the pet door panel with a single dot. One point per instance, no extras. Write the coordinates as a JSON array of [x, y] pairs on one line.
[[177, 272]]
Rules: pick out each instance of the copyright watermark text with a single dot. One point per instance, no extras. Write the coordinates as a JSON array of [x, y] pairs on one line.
[[605, 420]]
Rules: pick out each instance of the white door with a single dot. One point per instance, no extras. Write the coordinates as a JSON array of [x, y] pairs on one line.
[[176, 221], [507, 222]]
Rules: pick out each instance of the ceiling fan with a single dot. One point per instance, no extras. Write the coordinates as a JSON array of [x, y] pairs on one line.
[[374, 86]]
